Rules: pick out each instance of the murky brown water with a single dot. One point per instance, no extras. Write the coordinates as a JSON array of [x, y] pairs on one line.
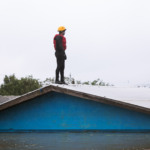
[[75, 141]]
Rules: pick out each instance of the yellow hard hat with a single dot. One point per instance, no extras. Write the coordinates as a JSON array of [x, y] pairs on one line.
[[61, 28]]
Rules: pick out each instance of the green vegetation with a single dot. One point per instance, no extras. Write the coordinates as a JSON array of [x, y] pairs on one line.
[[14, 86]]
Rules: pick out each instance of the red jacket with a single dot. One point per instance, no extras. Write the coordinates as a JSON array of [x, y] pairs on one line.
[[59, 42]]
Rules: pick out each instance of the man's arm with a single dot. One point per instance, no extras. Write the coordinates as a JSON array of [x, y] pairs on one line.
[[64, 43]]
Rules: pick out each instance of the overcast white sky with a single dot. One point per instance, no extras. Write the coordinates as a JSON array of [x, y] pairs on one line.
[[106, 39]]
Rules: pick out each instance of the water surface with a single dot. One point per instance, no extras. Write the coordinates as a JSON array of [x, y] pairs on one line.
[[75, 141]]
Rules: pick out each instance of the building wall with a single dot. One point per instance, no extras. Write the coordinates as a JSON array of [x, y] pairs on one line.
[[56, 111]]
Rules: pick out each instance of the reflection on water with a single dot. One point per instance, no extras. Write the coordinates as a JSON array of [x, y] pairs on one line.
[[75, 141]]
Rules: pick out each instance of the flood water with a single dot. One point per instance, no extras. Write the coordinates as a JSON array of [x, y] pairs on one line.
[[75, 141]]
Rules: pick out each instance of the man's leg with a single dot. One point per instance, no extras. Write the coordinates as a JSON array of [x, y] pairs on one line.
[[62, 70], [58, 68]]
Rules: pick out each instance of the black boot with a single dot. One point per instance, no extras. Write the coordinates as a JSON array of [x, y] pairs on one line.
[[62, 77], [58, 82], [63, 82]]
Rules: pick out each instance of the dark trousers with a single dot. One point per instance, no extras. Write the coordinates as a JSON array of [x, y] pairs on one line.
[[60, 67]]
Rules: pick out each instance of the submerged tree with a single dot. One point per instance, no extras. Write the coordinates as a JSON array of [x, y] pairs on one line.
[[14, 86]]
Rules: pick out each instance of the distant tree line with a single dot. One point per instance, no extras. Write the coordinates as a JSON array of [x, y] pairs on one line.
[[71, 80], [14, 86]]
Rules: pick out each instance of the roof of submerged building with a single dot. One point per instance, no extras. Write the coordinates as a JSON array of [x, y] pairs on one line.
[[137, 99], [4, 99]]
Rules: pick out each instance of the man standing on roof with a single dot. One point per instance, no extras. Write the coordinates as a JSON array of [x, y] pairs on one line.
[[60, 47]]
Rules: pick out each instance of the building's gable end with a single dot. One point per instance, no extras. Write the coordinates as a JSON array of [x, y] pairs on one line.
[[56, 111]]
